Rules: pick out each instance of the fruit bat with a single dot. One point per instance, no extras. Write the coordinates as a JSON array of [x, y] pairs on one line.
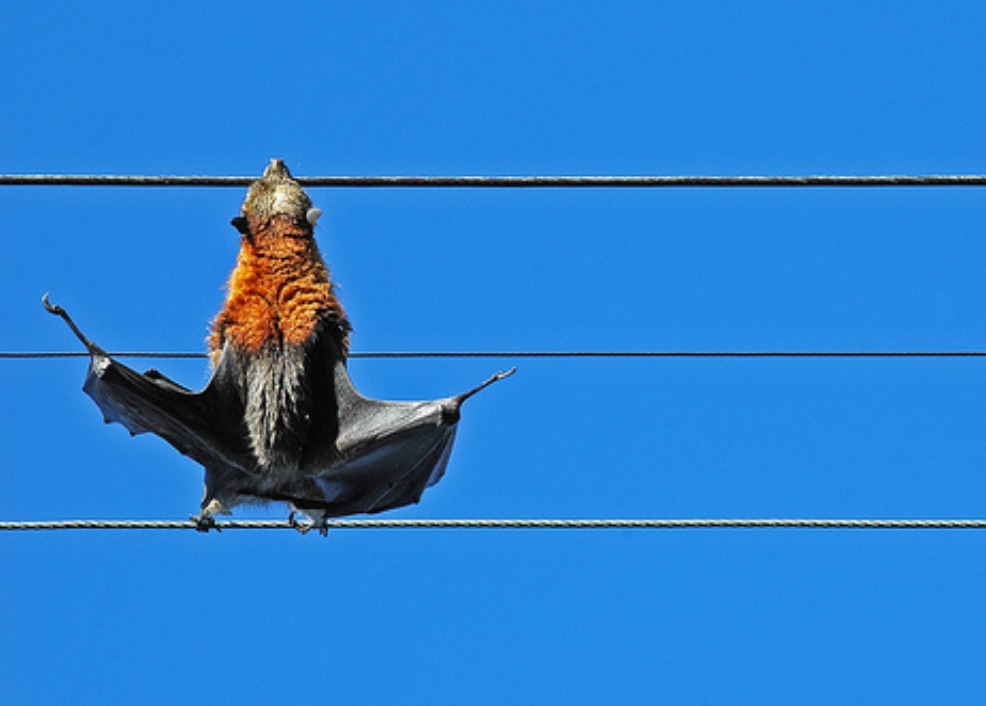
[[280, 419]]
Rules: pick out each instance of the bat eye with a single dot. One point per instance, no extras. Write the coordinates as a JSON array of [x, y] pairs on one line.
[[240, 223], [313, 215]]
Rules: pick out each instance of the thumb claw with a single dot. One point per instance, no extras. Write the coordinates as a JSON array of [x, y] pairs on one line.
[[51, 308]]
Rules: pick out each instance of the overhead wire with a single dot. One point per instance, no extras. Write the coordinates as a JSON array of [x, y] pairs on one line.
[[505, 181], [544, 354], [528, 524]]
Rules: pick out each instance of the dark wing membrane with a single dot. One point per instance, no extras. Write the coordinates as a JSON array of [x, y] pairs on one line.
[[385, 476], [388, 452], [206, 425]]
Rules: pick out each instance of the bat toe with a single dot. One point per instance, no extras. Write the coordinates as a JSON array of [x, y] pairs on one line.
[[204, 522], [314, 522]]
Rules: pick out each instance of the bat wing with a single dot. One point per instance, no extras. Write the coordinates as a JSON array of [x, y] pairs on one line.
[[206, 426], [389, 452], [203, 425]]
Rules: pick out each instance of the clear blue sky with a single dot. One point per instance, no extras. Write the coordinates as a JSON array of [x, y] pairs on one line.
[[518, 617]]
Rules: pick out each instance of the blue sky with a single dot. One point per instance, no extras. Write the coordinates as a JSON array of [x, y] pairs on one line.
[[515, 88]]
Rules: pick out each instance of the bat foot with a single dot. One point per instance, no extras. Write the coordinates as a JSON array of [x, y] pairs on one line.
[[204, 522], [305, 527]]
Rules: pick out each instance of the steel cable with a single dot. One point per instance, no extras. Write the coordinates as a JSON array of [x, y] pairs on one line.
[[509, 524], [505, 181]]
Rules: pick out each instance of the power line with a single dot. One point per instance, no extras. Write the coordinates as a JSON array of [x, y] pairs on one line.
[[548, 354], [84, 354], [504, 181], [508, 524]]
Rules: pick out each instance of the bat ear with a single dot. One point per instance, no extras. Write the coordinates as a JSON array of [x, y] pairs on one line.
[[240, 223], [313, 215]]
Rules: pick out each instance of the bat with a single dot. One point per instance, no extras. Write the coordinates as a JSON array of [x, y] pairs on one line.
[[280, 418]]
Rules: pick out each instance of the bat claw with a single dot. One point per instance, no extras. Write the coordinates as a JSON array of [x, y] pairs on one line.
[[204, 522], [293, 522], [306, 527], [51, 308]]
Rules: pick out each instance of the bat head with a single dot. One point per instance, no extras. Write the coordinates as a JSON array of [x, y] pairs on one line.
[[276, 196]]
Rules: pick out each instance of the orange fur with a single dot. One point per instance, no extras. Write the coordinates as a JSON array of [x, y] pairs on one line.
[[279, 291]]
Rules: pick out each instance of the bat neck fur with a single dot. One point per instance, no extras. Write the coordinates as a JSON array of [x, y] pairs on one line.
[[280, 292]]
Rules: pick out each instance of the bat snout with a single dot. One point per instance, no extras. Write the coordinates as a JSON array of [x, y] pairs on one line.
[[277, 168]]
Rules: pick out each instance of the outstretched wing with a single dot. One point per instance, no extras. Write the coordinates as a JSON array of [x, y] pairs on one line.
[[385, 453], [389, 452], [206, 426]]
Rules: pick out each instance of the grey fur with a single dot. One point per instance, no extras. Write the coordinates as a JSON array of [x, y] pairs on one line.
[[277, 409]]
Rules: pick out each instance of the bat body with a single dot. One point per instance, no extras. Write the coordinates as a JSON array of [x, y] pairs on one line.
[[280, 418]]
